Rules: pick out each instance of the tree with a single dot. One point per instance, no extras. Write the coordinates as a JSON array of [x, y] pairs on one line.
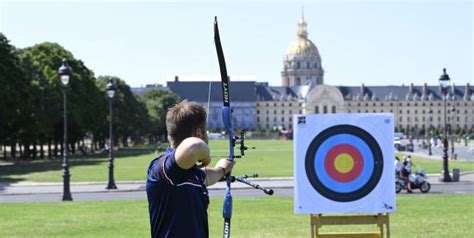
[[129, 114], [84, 98], [157, 103]]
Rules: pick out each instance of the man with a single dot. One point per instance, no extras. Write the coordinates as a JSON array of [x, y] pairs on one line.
[[177, 180], [398, 167], [406, 171]]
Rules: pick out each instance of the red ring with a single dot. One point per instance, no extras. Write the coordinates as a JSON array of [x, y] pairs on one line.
[[331, 157]]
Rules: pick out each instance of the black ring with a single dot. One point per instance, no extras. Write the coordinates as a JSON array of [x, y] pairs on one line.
[[374, 177]]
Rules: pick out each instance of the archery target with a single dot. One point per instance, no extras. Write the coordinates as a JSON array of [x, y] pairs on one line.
[[343, 163]]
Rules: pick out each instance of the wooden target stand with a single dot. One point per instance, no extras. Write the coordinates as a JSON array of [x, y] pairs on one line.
[[318, 220]]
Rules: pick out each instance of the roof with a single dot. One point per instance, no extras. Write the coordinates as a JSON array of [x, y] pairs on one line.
[[269, 93], [241, 91], [400, 92]]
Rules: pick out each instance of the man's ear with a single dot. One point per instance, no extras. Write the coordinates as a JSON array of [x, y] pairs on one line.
[[198, 132]]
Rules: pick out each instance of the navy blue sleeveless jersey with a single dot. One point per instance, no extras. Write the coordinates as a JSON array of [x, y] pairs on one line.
[[177, 199]]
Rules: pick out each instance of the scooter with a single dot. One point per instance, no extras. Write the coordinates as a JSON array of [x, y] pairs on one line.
[[418, 180]]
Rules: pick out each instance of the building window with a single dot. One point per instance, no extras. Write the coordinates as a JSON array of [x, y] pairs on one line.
[[408, 104], [374, 111], [391, 110], [400, 119], [289, 104], [282, 104], [258, 112], [408, 111], [298, 65], [416, 104], [375, 104], [366, 104], [349, 111], [282, 119], [401, 112], [349, 104], [258, 119], [416, 111], [291, 119], [267, 111], [268, 119], [423, 111], [366, 111], [301, 112], [291, 111], [316, 109], [381, 104], [282, 111], [274, 119], [333, 109], [391, 104], [298, 81], [308, 65], [358, 104], [325, 109], [268, 104], [275, 112], [358, 111]]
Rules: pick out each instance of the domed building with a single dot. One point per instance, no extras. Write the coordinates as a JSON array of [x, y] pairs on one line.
[[260, 106], [302, 63]]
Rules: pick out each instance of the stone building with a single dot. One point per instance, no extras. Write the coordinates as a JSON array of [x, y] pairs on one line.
[[260, 106], [304, 91]]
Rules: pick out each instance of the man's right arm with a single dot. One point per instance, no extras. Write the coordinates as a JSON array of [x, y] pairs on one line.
[[190, 151]]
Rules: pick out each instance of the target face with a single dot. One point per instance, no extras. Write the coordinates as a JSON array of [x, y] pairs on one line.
[[344, 163]]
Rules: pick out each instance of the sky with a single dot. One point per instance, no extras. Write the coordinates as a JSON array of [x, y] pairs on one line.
[[149, 42]]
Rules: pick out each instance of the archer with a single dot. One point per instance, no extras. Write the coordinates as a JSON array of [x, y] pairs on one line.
[[177, 180]]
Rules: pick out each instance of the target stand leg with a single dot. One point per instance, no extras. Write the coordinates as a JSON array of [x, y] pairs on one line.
[[381, 220]]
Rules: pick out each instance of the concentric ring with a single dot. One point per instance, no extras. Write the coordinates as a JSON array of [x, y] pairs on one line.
[[330, 182]]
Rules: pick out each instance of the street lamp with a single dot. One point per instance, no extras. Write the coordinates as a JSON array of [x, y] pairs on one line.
[[453, 118], [110, 93], [65, 73], [444, 82], [429, 131]]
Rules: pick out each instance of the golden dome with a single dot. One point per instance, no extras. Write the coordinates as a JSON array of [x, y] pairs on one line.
[[302, 46]]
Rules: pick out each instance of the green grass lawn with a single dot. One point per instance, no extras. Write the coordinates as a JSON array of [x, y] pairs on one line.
[[416, 216], [271, 158]]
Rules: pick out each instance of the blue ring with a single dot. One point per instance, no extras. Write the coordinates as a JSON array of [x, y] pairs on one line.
[[330, 143]]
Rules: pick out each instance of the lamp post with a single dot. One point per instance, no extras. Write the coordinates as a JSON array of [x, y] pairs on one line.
[[453, 117], [444, 82], [110, 93], [65, 73], [429, 131]]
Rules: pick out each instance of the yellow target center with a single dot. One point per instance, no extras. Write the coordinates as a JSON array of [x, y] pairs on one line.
[[344, 163]]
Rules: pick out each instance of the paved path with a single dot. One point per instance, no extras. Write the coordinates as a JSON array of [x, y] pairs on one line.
[[41, 192]]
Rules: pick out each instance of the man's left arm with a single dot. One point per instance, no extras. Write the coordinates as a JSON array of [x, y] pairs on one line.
[[213, 175]]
